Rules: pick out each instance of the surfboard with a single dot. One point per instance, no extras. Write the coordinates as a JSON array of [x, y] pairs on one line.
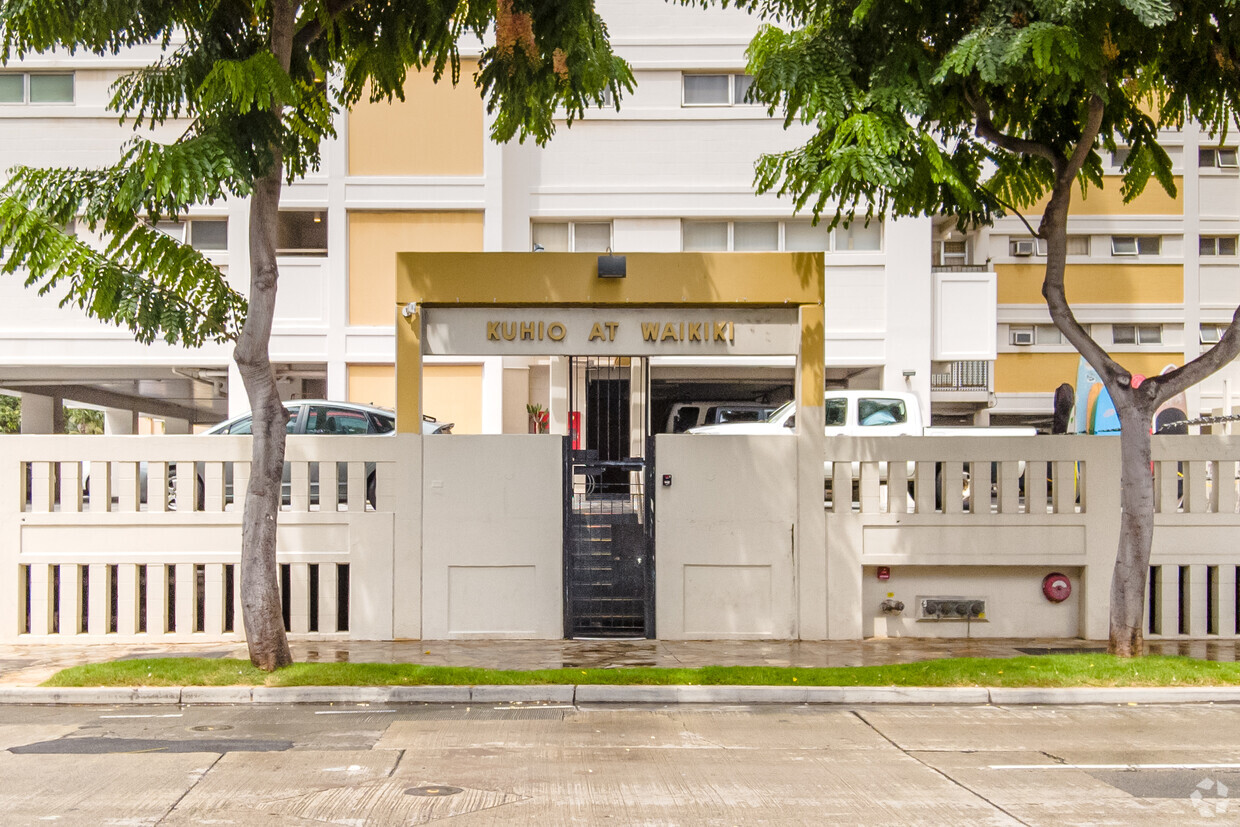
[[1091, 405], [1086, 378], [1174, 410], [1105, 419]]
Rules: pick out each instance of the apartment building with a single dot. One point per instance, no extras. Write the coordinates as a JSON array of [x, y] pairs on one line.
[[910, 305]]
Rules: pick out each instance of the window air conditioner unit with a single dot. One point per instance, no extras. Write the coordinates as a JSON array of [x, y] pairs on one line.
[[1022, 337], [1025, 247]]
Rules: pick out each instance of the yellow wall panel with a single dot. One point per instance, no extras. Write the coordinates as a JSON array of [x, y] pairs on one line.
[[376, 237], [437, 130], [1095, 283], [1107, 201], [1043, 372], [453, 393], [373, 385]]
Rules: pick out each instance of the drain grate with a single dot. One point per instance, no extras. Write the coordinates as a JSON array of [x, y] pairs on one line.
[[433, 791], [210, 728]]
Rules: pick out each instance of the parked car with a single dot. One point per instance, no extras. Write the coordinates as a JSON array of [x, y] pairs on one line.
[[317, 417], [306, 416], [686, 415]]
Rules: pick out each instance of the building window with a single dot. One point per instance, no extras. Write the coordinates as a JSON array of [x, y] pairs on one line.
[[715, 90], [1120, 156], [207, 234], [1219, 157], [754, 236], [858, 237], [953, 253], [572, 236], [1078, 245], [36, 87], [1212, 333], [301, 233], [1142, 245], [1141, 334], [1048, 334], [1217, 245]]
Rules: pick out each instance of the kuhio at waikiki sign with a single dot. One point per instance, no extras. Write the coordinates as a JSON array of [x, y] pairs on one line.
[[584, 331]]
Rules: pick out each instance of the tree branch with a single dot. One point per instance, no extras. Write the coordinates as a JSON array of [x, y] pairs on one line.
[[1011, 208], [1183, 378], [314, 28], [986, 129]]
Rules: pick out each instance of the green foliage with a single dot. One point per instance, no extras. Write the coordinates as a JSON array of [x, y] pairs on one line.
[[1038, 670], [83, 421], [896, 92], [243, 113], [10, 415]]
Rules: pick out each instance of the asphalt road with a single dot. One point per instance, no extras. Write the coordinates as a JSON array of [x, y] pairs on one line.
[[549, 765]]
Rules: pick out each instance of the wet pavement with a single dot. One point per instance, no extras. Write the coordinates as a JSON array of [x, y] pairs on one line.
[[30, 665]]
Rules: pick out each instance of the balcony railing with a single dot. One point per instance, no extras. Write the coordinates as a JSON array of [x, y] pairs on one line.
[[971, 375]]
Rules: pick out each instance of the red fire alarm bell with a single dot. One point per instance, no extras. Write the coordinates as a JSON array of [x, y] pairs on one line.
[[884, 572], [1057, 587]]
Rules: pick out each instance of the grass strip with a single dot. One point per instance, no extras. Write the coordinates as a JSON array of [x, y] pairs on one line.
[[1024, 671]]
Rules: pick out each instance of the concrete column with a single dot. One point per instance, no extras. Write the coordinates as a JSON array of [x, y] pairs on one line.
[[176, 426], [493, 395], [119, 422], [819, 571], [42, 414], [238, 402]]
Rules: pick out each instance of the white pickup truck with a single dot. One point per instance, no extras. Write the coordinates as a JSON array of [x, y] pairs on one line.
[[867, 413], [861, 413]]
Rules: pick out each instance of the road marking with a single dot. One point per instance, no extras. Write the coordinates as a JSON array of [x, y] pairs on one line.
[[351, 711], [1114, 767], [170, 715], [538, 706]]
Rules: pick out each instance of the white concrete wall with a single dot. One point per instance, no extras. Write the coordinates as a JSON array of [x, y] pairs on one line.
[[492, 551], [724, 539], [1015, 605]]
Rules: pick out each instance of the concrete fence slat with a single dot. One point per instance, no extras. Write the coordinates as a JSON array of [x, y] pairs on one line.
[[97, 600], [40, 599], [185, 594], [156, 599], [71, 609], [213, 611], [127, 599]]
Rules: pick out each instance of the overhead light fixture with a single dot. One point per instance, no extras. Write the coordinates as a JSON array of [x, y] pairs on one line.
[[318, 217], [611, 267]]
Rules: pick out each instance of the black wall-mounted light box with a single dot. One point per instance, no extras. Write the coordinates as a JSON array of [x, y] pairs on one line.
[[611, 267]]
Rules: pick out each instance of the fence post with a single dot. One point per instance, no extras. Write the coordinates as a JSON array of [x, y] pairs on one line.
[[406, 502], [1100, 505], [12, 502]]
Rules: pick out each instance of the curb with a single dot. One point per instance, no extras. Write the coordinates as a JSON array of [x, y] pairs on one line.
[[605, 694]]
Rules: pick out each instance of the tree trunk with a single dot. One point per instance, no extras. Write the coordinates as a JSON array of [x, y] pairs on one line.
[[260, 575], [1136, 532]]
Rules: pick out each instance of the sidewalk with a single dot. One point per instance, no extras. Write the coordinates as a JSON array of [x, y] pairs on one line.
[[22, 668]]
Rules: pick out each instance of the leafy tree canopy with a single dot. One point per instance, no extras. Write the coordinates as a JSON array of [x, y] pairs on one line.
[[218, 75], [968, 109]]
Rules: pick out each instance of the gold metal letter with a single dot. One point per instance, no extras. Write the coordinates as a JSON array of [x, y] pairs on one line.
[[492, 331]]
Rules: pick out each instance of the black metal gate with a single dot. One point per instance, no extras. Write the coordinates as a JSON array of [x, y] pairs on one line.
[[608, 507]]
